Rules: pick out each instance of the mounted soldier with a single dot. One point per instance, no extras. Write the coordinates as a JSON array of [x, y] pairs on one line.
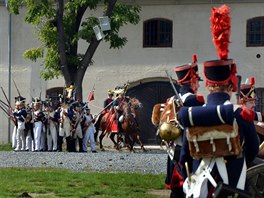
[[118, 109], [107, 108]]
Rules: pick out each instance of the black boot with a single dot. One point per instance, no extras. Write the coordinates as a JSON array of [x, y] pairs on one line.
[[81, 145], [73, 145], [68, 144], [60, 141]]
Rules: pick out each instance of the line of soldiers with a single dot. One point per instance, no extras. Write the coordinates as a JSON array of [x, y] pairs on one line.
[[40, 127]]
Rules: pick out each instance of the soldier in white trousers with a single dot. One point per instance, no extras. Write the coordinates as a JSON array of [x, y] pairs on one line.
[[52, 135], [65, 126], [14, 137], [38, 117], [20, 113], [89, 132]]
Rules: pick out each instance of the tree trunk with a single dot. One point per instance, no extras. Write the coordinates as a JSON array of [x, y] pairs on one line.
[[78, 85], [61, 37]]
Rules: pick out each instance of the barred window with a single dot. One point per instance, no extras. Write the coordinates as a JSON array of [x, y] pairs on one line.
[[157, 33], [255, 32]]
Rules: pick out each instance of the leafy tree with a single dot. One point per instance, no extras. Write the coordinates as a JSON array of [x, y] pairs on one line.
[[60, 24]]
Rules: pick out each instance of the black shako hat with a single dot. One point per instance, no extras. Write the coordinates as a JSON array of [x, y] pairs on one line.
[[221, 71], [20, 99], [188, 73]]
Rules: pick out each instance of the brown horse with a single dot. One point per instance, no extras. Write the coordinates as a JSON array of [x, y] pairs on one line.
[[129, 125]]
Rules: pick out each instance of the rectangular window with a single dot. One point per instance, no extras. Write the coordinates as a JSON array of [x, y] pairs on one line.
[[157, 33]]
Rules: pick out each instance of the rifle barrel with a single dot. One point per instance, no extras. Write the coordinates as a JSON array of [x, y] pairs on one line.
[[16, 87], [173, 87], [6, 97]]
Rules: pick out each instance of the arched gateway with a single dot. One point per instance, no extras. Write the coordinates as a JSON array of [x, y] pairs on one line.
[[149, 94]]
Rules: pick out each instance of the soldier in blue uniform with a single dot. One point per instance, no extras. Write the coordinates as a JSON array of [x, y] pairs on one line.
[[221, 81], [248, 98], [38, 120], [109, 99], [20, 114], [188, 78]]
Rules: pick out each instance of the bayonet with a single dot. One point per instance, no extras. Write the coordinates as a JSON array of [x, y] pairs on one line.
[[178, 100], [238, 88]]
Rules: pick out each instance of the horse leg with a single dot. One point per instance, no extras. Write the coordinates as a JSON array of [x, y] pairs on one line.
[[129, 142], [101, 137], [112, 137], [137, 139]]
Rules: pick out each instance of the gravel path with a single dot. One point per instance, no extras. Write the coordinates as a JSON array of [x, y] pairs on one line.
[[151, 162]]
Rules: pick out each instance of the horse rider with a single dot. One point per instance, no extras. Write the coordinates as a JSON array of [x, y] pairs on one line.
[[38, 119], [229, 166], [20, 114], [118, 109], [107, 108], [110, 95], [188, 78]]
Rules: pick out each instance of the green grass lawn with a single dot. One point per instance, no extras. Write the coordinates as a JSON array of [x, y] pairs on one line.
[[43, 182], [5, 147], [50, 182]]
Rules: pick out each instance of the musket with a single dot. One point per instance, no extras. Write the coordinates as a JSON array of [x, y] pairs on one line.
[[6, 109], [238, 88], [170, 149], [6, 97], [9, 108], [178, 100], [2, 102], [16, 87], [104, 108]]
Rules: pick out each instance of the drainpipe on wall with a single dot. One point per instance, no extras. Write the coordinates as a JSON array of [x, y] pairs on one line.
[[9, 70]]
